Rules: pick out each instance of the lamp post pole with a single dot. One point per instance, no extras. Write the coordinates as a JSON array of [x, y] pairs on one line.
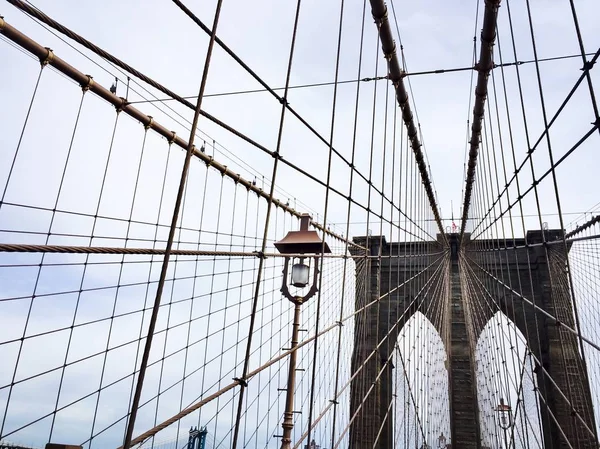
[[288, 415]]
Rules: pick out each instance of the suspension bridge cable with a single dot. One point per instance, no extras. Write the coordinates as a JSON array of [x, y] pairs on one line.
[[47, 20], [484, 66], [86, 254], [86, 43], [359, 80], [231, 53], [379, 12], [265, 234]]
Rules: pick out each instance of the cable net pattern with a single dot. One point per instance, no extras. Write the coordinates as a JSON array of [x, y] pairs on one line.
[[143, 299]]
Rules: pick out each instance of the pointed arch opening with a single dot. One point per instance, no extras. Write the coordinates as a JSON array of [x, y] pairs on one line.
[[422, 407], [509, 408]]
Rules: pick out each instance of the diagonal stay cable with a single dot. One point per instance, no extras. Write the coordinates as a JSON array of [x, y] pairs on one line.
[[44, 18], [269, 89], [538, 362], [530, 152], [197, 405], [36, 13], [537, 308], [176, 210], [87, 81]]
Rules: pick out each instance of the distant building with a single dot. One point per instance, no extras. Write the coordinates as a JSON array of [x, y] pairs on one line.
[[7, 445]]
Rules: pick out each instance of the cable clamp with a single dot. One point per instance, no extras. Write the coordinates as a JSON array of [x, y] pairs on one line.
[[241, 382], [89, 84], [283, 101], [259, 254], [150, 123], [2, 23], [49, 57], [173, 137], [384, 16], [587, 65], [333, 401], [121, 105]]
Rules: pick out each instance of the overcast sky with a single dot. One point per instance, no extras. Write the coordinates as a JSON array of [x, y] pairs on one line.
[[156, 38]]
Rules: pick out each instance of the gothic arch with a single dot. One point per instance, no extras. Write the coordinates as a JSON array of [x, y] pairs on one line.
[[422, 367], [531, 279], [526, 272], [396, 287], [504, 373]]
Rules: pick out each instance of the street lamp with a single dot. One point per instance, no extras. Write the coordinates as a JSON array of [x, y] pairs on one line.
[[442, 441], [298, 246], [504, 418]]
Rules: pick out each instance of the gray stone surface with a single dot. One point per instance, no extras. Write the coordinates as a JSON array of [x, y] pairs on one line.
[[527, 271]]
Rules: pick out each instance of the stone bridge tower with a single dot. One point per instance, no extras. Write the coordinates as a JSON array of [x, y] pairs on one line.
[[542, 274]]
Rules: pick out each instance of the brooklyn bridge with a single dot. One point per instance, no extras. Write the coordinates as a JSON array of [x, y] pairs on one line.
[[299, 224]]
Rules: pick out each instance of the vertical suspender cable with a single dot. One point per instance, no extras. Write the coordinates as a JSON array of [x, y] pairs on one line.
[[396, 74], [163, 273], [270, 202], [483, 67]]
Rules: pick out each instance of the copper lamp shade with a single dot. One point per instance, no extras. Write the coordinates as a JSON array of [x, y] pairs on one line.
[[302, 241]]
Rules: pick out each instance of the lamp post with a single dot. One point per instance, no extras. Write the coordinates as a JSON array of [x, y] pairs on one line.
[[298, 246], [504, 418], [442, 441]]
